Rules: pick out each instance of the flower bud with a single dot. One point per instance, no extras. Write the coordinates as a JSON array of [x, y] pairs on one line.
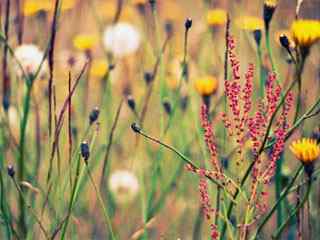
[[94, 115], [188, 23], [257, 36], [11, 171], [167, 106], [85, 150], [148, 77], [131, 102], [135, 127]]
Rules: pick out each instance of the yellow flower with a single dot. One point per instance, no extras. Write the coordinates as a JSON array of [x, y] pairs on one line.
[[206, 86], [48, 5], [85, 41], [271, 3], [31, 7], [305, 32], [139, 2], [99, 68], [216, 17], [306, 150], [249, 23]]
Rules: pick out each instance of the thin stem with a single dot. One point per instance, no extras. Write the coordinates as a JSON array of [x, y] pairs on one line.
[[278, 232], [105, 212], [275, 206], [21, 159], [31, 209]]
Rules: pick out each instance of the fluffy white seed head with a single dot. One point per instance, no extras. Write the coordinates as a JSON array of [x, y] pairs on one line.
[[121, 39]]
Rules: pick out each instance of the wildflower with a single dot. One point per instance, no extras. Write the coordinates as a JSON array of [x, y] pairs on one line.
[[139, 2], [85, 42], [305, 32], [94, 115], [216, 17], [269, 7], [124, 186], [30, 58], [121, 39], [206, 86], [31, 7], [99, 68], [249, 23], [307, 150]]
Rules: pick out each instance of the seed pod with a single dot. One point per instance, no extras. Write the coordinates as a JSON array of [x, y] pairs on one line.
[[167, 106], [11, 171], [94, 115], [131, 102], [135, 127], [85, 150], [188, 23], [148, 77], [284, 41], [257, 36]]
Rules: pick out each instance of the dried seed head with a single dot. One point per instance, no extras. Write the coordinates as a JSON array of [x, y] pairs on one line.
[[131, 102], [11, 171], [257, 36], [148, 77], [167, 106], [188, 23], [284, 41], [269, 7], [169, 28], [135, 127], [85, 150], [94, 115]]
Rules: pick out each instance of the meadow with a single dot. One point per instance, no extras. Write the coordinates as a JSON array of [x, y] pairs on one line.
[[159, 119]]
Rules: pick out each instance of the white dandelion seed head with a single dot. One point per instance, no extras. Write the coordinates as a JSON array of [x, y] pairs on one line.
[[121, 39], [30, 57], [124, 186]]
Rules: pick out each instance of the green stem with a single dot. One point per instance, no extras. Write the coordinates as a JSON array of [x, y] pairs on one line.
[[105, 212], [269, 49], [262, 80], [21, 160], [277, 234], [275, 206], [278, 187]]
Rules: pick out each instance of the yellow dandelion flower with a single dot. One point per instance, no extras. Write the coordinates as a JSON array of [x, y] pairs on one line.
[[216, 17], [139, 2], [85, 41], [99, 68], [32, 7], [249, 23], [206, 86], [306, 150], [305, 32], [271, 3]]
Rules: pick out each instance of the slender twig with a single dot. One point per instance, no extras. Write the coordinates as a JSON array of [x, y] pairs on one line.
[[31, 209], [51, 60], [6, 79], [275, 206], [109, 145], [105, 211], [60, 119], [278, 232]]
